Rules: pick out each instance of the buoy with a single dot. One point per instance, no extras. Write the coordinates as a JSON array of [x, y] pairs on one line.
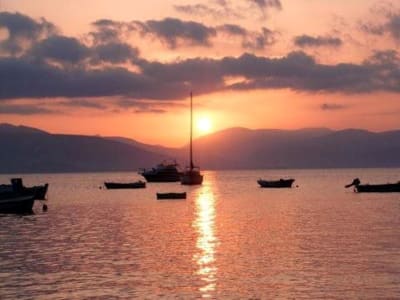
[[44, 207]]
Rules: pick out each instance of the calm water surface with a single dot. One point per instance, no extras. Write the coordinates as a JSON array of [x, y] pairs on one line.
[[228, 239]]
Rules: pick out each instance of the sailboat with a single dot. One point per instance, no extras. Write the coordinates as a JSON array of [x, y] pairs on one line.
[[191, 175]]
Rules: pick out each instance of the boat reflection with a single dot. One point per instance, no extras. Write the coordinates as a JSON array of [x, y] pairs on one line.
[[204, 225]]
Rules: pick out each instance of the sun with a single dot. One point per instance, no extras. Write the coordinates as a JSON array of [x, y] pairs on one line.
[[204, 125]]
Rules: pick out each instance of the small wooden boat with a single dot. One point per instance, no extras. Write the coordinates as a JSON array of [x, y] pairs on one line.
[[130, 185], [374, 188], [281, 183], [16, 185], [164, 196]]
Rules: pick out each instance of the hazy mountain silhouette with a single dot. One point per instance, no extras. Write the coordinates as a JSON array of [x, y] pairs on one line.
[[25, 149], [304, 148]]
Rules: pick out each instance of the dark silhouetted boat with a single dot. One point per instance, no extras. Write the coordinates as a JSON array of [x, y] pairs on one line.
[[39, 191], [164, 172], [15, 198], [165, 196], [191, 176], [281, 183], [129, 185], [374, 188]]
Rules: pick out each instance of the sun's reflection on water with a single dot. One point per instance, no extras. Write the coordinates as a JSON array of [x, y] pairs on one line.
[[204, 224]]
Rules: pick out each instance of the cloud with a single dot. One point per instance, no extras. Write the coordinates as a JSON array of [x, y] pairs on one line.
[[23, 109], [58, 66], [250, 39], [319, 41], [263, 5], [92, 103], [218, 9], [215, 9], [108, 31], [60, 48], [67, 50], [332, 106], [21, 78], [114, 52], [22, 30], [172, 31], [139, 106], [391, 25]]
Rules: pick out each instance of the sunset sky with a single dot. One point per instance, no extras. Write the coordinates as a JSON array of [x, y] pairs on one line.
[[126, 68]]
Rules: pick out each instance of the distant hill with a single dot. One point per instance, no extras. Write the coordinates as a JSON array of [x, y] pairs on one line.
[[304, 148], [25, 149]]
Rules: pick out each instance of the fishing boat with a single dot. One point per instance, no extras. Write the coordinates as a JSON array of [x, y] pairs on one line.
[[281, 183], [15, 198], [129, 185], [39, 191], [163, 172], [165, 196], [192, 175], [374, 188]]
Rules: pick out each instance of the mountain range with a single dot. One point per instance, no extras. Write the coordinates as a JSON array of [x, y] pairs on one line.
[[29, 150]]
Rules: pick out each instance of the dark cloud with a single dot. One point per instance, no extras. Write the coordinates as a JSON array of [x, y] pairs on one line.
[[200, 10], [216, 9], [171, 81], [233, 29], [60, 48], [108, 31], [391, 26], [91, 70], [250, 40], [114, 52], [258, 41], [93, 103], [230, 9], [172, 31], [372, 28], [263, 5], [21, 109], [332, 106], [310, 41], [22, 30]]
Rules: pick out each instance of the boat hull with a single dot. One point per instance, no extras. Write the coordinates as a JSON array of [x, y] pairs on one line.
[[16, 203], [192, 178], [282, 183], [378, 188], [130, 185], [165, 196], [161, 177]]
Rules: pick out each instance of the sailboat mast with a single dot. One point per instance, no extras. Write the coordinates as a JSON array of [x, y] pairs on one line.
[[191, 131]]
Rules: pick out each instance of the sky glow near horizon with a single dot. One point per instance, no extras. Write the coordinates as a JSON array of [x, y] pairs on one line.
[[123, 68]]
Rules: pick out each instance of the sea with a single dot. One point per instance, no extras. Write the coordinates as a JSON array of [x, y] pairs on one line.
[[230, 239]]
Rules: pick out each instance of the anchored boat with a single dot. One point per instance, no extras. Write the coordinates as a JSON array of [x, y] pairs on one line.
[[192, 175], [281, 183], [374, 188]]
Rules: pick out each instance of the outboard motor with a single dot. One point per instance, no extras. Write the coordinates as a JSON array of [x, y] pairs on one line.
[[355, 182]]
